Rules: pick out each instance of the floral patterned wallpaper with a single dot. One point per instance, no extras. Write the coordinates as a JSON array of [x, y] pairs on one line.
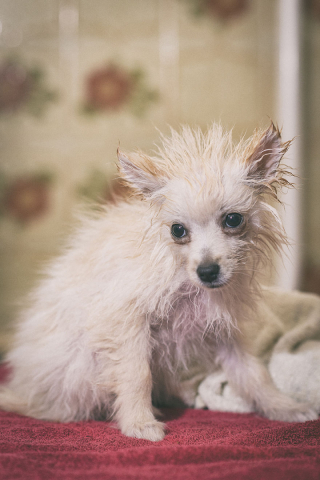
[[113, 88], [220, 9], [78, 77], [23, 88], [26, 198]]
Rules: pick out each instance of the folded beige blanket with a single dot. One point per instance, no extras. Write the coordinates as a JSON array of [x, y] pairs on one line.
[[286, 337]]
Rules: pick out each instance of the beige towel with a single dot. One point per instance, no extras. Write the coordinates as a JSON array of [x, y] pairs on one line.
[[286, 337]]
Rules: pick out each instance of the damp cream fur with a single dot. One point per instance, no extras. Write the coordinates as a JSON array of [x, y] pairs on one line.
[[156, 284]]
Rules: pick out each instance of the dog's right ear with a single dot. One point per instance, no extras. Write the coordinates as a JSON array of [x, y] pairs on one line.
[[140, 173]]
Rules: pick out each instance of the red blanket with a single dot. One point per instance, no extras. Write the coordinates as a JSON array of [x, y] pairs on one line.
[[199, 444]]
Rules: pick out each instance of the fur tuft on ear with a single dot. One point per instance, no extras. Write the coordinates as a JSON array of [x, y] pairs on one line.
[[265, 153], [140, 172], [262, 157]]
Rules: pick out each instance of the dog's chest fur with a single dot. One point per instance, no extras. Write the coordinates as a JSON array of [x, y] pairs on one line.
[[183, 337]]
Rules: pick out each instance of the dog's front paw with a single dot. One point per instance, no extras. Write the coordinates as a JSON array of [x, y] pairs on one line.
[[299, 413], [153, 431]]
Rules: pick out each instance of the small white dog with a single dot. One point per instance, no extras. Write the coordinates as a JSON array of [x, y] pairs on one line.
[[156, 284]]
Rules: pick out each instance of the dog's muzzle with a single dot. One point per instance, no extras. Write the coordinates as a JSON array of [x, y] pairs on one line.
[[209, 274]]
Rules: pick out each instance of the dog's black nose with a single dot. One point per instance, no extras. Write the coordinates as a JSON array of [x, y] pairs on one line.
[[208, 273]]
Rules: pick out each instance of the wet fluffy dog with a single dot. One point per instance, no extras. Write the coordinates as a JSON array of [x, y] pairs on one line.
[[155, 285]]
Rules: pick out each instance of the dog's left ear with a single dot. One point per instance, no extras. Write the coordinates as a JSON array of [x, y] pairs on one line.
[[140, 173], [265, 155]]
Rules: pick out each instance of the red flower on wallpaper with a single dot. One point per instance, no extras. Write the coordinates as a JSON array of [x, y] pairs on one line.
[[23, 88], [108, 88], [112, 88], [223, 9], [26, 198], [15, 85]]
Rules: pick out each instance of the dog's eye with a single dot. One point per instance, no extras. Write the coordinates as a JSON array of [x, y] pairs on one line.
[[233, 220], [178, 230]]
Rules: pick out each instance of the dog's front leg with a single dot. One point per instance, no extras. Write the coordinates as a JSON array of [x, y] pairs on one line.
[[133, 387], [252, 381]]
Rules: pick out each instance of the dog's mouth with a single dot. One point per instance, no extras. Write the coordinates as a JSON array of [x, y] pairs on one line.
[[212, 285]]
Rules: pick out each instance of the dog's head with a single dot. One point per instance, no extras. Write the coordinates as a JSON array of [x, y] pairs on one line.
[[211, 199]]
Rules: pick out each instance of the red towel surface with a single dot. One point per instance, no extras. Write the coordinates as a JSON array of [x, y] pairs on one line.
[[199, 444]]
